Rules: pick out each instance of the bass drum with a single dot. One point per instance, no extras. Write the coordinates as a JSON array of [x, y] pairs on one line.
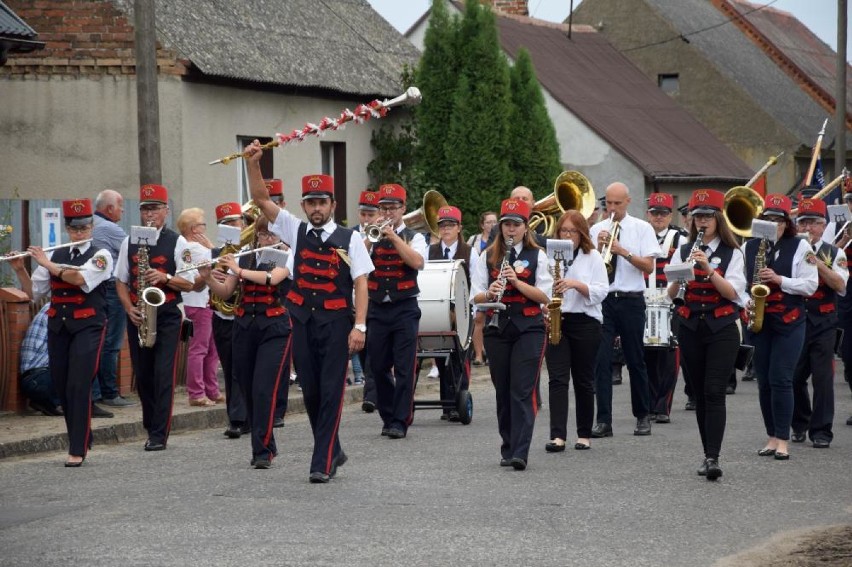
[[446, 322]]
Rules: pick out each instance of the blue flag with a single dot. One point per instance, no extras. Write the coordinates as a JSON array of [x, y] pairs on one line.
[[835, 196]]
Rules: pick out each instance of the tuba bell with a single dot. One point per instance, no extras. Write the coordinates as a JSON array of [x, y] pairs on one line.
[[571, 191], [742, 205], [426, 217]]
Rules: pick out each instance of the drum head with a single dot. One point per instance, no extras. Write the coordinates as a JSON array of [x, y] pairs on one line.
[[461, 308]]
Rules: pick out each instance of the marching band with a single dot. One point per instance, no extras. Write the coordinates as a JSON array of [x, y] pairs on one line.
[[306, 292]]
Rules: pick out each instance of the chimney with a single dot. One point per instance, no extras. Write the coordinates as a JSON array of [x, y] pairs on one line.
[[517, 7]]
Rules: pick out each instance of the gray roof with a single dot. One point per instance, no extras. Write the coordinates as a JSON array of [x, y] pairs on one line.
[[339, 45], [11, 26], [738, 58]]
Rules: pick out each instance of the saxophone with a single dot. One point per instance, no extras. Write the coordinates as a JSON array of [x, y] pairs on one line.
[[554, 308], [495, 319], [758, 291], [148, 300]]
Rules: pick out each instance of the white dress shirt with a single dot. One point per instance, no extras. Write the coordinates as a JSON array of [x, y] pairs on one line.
[[286, 227], [479, 278], [638, 238], [95, 271], [471, 262], [804, 280], [839, 267], [122, 267], [734, 275], [589, 269]]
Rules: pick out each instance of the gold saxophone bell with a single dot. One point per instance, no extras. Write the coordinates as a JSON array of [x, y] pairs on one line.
[[742, 205], [571, 191]]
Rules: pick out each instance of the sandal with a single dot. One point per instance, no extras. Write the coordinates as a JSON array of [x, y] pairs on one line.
[[220, 399], [202, 402]]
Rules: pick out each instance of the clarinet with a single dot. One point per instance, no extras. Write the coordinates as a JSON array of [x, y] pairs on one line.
[[495, 318], [680, 298]]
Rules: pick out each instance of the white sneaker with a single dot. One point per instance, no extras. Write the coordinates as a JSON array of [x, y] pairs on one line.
[[292, 377], [434, 372]]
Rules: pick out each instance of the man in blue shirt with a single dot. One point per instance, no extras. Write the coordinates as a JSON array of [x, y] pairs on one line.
[[36, 384]]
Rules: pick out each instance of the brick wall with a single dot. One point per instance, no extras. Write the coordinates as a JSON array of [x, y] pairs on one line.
[[519, 7], [82, 39]]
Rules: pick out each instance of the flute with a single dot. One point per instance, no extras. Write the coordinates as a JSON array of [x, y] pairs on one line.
[[50, 249], [190, 267]]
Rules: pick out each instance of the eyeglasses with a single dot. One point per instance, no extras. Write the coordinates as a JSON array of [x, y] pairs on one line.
[[390, 209], [79, 229], [448, 225], [152, 208], [569, 231], [265, 234], [808, 222], [659, 213]]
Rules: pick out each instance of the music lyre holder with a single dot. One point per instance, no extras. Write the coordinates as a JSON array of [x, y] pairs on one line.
[[227, 235], [764, 229], [564, 246], [143, 235], [683, 272]]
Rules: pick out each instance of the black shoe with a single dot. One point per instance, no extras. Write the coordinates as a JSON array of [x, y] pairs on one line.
[[505, 462], [151, 445], [518, 464], [118, 402], [601, 430], [445, 416], [46, 409], [581, 446], [652, 416], [396, 433], [730, 391], [798, 437], [98, 411], [278, 422], [748, 377], [318, 478], [643, 426], [849, 420], [702, 470], [338, 461], [690, 405], [554, 447], [781, 456], [712, 470], [766, 452], [454, 416], [233, 432], [821, 443], [663, 418], [74, 464], [367, 406], [261, 463], [385, 431]]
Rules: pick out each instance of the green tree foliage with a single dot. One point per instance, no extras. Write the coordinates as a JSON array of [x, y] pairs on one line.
[[436, 76], [534, 157], [477, 146]]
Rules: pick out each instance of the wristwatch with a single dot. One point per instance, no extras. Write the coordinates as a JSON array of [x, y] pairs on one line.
[[629, 256], [168, 278], [360, 327]]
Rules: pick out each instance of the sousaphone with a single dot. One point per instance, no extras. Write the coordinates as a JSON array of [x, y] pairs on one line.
[[571, 191]]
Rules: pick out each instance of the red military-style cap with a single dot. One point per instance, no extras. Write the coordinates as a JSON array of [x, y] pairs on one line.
[[777, 205], [514, 209], [368, 200], [317, 187], [660, 202], [77, 212], [391, 193], [275, 187], [812, 209], [228, 212], [449, 213], [153, 195], [706, 201]]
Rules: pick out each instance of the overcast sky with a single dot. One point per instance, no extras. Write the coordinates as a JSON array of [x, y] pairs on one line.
[[819, 15]]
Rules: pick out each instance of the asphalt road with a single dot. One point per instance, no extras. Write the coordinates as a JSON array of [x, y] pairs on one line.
[[438, 497]]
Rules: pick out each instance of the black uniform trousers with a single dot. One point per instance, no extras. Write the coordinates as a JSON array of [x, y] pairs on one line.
[[623, 316], [156, 372], [575, 357], [709, 359], [392, 347], [262, 368], [321, 354], [515, 364], [662, 364], [236, 403], [817, 362], [369, 382], [73, 366], [283, 393]]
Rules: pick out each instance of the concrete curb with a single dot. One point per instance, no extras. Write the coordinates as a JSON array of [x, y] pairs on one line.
[[192, 420]]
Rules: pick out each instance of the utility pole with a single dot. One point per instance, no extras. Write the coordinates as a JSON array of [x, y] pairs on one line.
[[147, 98], [840, 93]]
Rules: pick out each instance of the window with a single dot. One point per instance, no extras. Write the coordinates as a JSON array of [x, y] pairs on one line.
[[670, 83], [334, 164], [265, 164]]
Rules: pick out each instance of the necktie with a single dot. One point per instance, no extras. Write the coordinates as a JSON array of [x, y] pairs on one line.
[[611, 275], [75, 252], [316, 233], [446, 253]]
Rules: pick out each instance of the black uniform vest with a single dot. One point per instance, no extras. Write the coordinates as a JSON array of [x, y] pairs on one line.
[[781, 309], [392, 277], [703, 302], [663, 261], [322, 281], [263, 304], [70, 306], [161, 257], [821, 307], [436, 252], [520, 310]]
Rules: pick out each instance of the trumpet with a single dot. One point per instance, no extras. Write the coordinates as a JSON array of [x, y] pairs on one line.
[[50, 249], [614, 229], [374, 231], [680, 299]]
